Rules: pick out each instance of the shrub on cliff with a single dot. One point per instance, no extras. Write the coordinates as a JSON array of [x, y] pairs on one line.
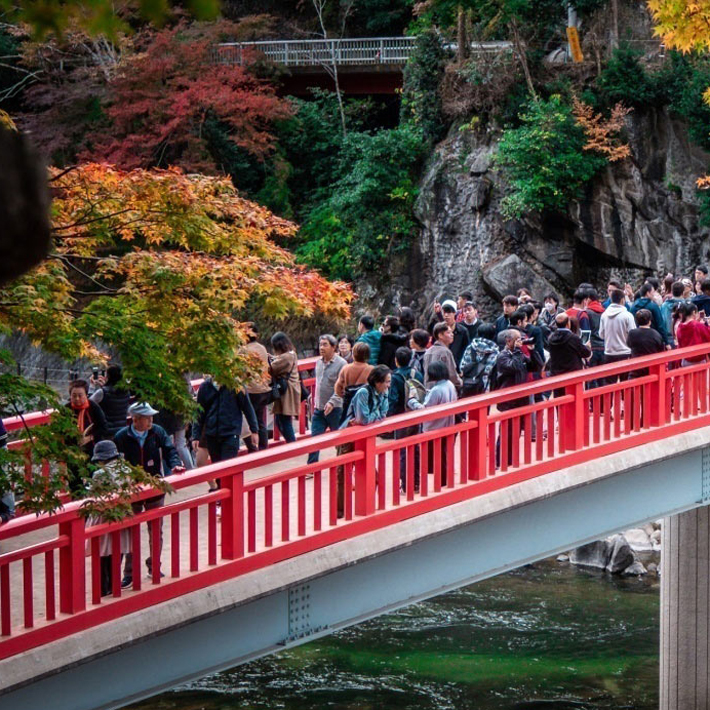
[[545, 160], [369, 212], [423, 75]]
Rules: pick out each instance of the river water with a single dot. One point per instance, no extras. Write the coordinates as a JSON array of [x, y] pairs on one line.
[[548, 636]]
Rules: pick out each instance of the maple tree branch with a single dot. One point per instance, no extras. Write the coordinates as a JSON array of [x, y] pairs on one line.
[[83, 273], [80, 223], [63, 173]]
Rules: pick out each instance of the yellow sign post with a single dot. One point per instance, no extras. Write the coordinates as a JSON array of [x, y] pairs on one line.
[[574, 46]]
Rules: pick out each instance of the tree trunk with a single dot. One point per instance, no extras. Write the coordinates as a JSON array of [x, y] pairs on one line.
[[522, 56], [614, 44], [461, 39]]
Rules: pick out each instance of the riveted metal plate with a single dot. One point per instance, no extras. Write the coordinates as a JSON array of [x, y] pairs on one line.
[[706, 475], [299, 613]]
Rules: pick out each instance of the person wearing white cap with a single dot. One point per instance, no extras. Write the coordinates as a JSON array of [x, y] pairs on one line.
[[145, 444]]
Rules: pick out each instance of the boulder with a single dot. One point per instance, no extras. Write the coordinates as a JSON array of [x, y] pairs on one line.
[[621, 555], [639, 540], [613, 555], [652, 568], [634, 569], [594, 554], [511, 273]]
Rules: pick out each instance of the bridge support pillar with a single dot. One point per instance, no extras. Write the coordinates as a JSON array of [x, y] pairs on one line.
[[685, 611]]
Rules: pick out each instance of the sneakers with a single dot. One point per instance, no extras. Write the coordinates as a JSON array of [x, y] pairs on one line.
[[126, 582]]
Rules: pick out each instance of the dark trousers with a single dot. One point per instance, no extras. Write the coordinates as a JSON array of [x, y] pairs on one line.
[[443, 457], [259, 401], [598, 358], [222, 448], [285, 424], [320, 423], [139, 507], [615, 378], [107, 575], [403, 434]]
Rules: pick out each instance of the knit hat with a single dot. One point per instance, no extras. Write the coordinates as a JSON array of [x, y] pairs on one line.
[[105, 451]]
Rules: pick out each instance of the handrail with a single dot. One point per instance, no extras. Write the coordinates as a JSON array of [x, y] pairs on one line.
[[347, 51], [365, 485]]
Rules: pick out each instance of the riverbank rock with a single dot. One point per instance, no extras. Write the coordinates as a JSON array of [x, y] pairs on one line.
[[613, 555], [639, 539], [635, 569]]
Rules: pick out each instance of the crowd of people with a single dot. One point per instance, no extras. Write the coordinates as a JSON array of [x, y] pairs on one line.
[[385, 371]]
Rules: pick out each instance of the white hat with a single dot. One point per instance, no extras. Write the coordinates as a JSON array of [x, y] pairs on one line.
[[142, 409], [449, 302]]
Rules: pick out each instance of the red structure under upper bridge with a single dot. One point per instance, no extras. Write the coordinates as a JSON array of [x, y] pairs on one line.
[[370, 65]]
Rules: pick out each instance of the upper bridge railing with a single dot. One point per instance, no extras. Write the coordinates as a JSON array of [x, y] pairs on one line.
[[52, 588], [343, 52]]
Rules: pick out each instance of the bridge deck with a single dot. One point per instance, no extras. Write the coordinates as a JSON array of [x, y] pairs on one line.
[[276, 507], [202, 525]]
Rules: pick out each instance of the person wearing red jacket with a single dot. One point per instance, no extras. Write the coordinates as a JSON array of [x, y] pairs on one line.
[[691, 331]]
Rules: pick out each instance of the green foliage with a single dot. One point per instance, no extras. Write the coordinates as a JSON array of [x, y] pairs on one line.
[[703, 197], [57, 444], [624, 79], [246, 171], [310, 142], [98, 17], [544, 159], [369, 213], [379, 18], [421, 99], [683, 79]]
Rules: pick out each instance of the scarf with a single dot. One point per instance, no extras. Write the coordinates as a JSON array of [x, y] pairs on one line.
[[82, 416]]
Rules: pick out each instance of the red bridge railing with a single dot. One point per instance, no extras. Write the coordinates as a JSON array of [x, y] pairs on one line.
[[276, 506]]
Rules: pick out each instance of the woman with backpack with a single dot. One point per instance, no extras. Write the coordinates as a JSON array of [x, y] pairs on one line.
[[353, 376], [406, 384], [369, 405], [284, 366]]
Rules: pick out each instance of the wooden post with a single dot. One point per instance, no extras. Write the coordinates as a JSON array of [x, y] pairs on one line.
[[572, 424], [72, 568], [365, 477], [233, 517], [657, 395], [478, 447]]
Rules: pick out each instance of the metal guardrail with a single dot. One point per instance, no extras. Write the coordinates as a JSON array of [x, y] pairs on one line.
[[393, 51]]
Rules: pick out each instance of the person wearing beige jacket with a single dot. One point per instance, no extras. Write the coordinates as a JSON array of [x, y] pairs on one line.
[[258, 389], [285, 364]]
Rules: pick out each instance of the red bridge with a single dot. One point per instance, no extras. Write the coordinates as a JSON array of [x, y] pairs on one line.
[[279, 545]]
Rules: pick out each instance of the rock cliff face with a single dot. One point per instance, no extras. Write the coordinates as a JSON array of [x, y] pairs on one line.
[[639, 217]]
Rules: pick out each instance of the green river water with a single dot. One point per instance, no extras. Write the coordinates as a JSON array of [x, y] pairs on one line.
[[546, 636]]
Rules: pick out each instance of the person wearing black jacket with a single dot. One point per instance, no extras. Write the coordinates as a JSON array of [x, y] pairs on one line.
[[567, 351], [511, 368], [510, 305], [393, 337], [145, 444], [113, 399], [644, 340], [220, 420], [461, 338]]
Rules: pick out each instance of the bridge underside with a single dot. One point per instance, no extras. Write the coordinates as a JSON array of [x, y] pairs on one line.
[[329, 589], [354, 80]]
